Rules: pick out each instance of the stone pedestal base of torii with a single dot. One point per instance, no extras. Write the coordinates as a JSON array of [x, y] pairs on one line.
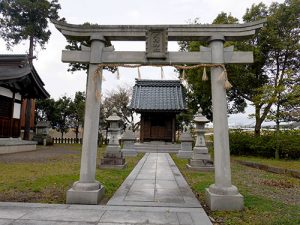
[[221, 195]]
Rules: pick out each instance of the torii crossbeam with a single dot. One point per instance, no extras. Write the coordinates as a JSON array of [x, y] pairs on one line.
[[221, 195]]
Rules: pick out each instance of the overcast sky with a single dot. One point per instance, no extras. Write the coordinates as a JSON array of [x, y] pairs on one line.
[[54, 73]]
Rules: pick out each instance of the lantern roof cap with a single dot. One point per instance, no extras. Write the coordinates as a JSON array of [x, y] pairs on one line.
[[113, 116], [199, 117]]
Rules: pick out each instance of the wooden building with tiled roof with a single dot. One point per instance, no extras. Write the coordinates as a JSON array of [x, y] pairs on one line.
[[18, 81], [158, 102]]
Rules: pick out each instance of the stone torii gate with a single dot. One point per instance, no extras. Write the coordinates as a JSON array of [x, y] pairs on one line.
[[221, 195]]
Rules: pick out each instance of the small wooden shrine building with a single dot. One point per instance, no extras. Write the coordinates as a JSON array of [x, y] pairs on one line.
[[18, 81], [158, 102]]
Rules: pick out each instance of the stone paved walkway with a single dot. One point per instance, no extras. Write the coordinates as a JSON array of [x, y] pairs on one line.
[[154, 193], [155, 181]]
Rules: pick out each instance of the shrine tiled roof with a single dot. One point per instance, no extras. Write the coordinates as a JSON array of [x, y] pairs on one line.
[[18, 74], [158, 96]]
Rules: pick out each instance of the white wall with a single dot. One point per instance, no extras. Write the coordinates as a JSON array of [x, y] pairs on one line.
[[17, 111], [6, 92], [17, 106], [18, 96]]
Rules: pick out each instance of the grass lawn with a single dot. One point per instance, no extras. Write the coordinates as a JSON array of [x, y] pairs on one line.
[[47, 179], [286, 164], [270, 199]]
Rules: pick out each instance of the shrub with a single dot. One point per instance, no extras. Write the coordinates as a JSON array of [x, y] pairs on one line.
[[245, 143]]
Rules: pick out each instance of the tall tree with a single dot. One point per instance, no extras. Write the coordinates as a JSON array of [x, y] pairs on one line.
[[27, 20], [58, 113], [272, 78], [199, 91], [279, 42], [77, 107], [291, 104], [62, 122], [119, 99], [62, 114], [46, 110]]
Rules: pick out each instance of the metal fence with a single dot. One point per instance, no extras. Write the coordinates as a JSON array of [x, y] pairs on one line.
[[67, 140]]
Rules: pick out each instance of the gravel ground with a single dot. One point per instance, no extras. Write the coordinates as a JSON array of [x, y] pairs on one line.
[[42, 154], [278, 187]]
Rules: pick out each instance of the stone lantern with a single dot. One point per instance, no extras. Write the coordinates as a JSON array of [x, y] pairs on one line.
[[200, 158], [42, 133], [42, 127], [113, 157], [128, 140], [186, 149]]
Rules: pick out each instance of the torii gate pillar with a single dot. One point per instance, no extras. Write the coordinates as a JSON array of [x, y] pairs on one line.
[[221, 195], [87, 190]]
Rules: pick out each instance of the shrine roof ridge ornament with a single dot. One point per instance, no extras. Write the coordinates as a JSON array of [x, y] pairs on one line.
[[188, 32]]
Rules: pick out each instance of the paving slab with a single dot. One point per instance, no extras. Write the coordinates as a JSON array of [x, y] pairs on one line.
[[5, 221], [155, 181], [74, 215], [43, 222], [104, 215], [16, 213]]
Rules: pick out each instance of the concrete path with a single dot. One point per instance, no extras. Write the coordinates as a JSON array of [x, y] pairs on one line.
[[156, 186], [155, 181], [154, 193]]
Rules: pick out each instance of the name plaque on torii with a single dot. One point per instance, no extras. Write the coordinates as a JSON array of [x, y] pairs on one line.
[[221, 195], [156, 43]]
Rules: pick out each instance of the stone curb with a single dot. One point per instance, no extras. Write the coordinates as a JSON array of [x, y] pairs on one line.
[[292, 173]]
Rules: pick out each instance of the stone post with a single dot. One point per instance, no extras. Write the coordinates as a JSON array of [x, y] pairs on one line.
[[186, 149], [87, 190], [200, 159], [221, 195], [113, 157], [42, 136], [128, 140]]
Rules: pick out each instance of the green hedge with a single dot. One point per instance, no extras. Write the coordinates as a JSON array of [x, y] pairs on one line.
[[245, 143]]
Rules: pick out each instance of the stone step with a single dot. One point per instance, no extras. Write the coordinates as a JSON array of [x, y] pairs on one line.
[[153, 147], [14, 145], [157, 150], [166, 146]]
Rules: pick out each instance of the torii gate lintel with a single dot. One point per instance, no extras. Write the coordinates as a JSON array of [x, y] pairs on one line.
[[172, 58], [181, 32]]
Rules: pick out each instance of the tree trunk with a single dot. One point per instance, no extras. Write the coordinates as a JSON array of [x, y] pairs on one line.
[[277, 116], [27, 119], [62, 135], [260, 118], [31, 47], [258, 121], [277, 127], [28, 101], [277, 143], [257, 129], [76, 133]]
